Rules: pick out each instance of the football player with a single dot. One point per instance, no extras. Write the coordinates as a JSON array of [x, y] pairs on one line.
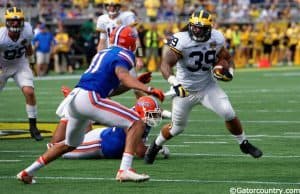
[[194, 51], [15, 47], [114, 17], [109, 142], [88, 101]]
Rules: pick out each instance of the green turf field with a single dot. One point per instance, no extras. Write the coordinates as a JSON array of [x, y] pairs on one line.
[[204, 159]]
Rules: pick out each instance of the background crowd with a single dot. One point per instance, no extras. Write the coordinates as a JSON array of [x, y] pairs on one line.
[[259, 33]]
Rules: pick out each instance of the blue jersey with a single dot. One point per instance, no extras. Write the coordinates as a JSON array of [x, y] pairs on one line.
[[113, 141], [100, 76]]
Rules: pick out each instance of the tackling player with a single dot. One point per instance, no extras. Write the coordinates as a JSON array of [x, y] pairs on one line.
[[106, 23], [88, 101], [194, 51], [109, 142], [15, 47]]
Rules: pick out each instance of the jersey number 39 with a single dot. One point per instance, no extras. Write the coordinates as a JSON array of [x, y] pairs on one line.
[[198, 59]]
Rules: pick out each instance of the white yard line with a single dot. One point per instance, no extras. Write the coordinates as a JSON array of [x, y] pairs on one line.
[[231, 155], [205, 142], [10, 161], [182, 154], [163, 180]]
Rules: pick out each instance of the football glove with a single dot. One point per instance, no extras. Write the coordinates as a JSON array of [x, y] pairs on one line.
[[222, 75], [157, 93], [65, 90], [178, 88], [145, 77], [180, 91]]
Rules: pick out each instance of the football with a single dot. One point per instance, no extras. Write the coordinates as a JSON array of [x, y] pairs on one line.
[[221, 70], [222, 65]]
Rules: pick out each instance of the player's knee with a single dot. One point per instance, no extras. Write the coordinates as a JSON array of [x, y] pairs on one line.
[[28, 91], [177, 128], [139, 126], [229, 115]]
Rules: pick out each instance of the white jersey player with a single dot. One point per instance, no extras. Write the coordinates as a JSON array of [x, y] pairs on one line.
[[194, 51], [15, 46], [106, 23]]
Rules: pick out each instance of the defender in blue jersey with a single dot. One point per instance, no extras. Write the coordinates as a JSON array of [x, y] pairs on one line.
[[109, 142], [88, 102]]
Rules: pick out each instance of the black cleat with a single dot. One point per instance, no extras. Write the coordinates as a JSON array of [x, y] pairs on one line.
[[248, 148], [151, 153], [35, 133]]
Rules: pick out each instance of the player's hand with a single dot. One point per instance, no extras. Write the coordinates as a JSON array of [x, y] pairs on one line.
[[180, 91], [178, 88], [223, 75], [65, 90], [157, 93], [145, 77]]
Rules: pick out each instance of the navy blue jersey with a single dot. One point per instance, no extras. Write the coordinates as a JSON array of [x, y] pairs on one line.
[[100, 76]]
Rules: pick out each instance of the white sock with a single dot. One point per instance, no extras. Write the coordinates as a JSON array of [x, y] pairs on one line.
[[126, 162], [31, 111], [160, 140], [240, 138], [39, 163]]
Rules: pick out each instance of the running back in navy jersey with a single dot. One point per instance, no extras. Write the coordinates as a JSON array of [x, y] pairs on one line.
[[100, 76]]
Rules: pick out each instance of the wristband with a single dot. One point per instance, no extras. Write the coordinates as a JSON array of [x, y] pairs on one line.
[[172, 80]]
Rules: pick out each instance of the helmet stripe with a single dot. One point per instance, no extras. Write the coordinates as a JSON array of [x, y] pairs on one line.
[[116, 40]]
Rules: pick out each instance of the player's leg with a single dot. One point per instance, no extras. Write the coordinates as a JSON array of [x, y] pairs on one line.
[[60, 131], [217, 101], [111, 113], [74, 136], [114, 114], [90, 148], [24, 79], [181, 107]]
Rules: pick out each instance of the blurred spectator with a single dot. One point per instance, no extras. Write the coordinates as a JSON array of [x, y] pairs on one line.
[[37, 29], [82, 4], [151, 41], [141, 33], [62, 51], [237, 14], [43, 42], [253, 13], [152, 7], [292, 35], [62, 15], [87, 33]]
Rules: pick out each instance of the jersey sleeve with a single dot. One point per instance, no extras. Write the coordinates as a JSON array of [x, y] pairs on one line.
[[100, 26], [125, 60], [129, 18], [28, 32], [176, 43], [220, 40]]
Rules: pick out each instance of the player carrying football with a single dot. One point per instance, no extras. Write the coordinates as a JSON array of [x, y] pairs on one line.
[[194, 51]]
